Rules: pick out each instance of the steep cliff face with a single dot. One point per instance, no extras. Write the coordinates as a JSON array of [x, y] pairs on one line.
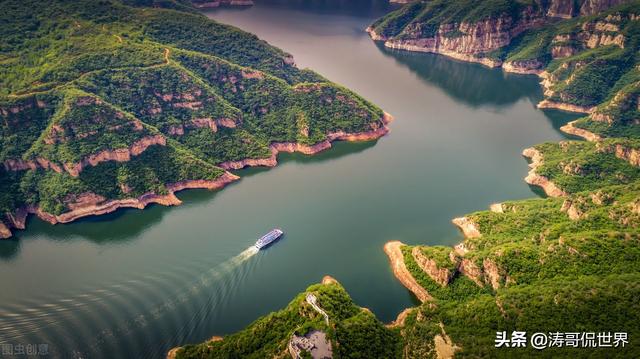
[[526, 38], [535, 179], [466, 40], [568, 9]]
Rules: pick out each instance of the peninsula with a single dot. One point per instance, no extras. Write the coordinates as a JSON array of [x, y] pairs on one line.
[[567, 262], [123, 104]]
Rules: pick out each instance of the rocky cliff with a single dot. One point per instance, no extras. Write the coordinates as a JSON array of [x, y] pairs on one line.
[[524, 38]]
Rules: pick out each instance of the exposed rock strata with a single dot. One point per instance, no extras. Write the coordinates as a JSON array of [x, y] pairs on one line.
[[467, 226], [74, 169], [4, 231], [524, 67], [496, 208], [548, 104], [472, 271], [394, 252], [630, 155], [400, 319], [213, 124], [439, 275], [88, 204], [571, 129], [491, 273], [535, 179], [291, 147], [474, 42]]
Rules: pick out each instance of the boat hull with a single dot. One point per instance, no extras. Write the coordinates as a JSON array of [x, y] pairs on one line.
[[268, 238]]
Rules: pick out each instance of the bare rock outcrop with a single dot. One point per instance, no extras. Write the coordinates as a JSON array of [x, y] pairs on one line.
[[535, 179], [524, 67], [393, 250], [571, 129], [5, 232], [491, 273], [90, 204], [467, 226], [376, 132], [472, 271], [439, 275], [631, 155], [496, 208]]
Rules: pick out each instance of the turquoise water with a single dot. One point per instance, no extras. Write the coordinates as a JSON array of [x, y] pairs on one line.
[[136, 283]]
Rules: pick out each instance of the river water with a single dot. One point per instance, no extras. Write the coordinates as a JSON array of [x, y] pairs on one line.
[[136, 283]]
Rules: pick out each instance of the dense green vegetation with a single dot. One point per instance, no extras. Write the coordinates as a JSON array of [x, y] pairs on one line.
[[353, 331], [568, 264], [587, 60], [423, 18], [153, 83]]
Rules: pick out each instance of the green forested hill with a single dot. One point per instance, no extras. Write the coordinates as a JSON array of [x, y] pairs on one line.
[[111, 100], [353, 332], [568, 263]]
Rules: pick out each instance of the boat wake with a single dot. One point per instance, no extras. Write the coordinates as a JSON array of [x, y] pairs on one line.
[[188, 305]]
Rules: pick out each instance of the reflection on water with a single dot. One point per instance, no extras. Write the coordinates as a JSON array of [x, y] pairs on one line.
[[9, 248], [476, 85], [136, 283], [472, 84], [338, 150]]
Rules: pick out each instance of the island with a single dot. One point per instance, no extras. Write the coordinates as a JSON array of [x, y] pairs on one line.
[[124, 103]]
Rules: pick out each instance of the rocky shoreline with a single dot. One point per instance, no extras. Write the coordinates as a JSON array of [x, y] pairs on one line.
[[94, 205], [527, 67], [535, 179], [90, 204], [468, 227], [291, 147], [396, 258], [548, 104], [415, 47], [573, 130]]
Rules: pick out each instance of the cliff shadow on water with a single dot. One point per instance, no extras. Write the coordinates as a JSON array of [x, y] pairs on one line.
[[339, 149], [472, 84], [131, 222], [476, 85], [122, 226]]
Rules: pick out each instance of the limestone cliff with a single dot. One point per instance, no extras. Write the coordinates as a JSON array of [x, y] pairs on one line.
[[436, 27], [522, 38]]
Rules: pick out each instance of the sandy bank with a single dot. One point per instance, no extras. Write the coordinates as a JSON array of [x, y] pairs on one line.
[[394, 252]]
